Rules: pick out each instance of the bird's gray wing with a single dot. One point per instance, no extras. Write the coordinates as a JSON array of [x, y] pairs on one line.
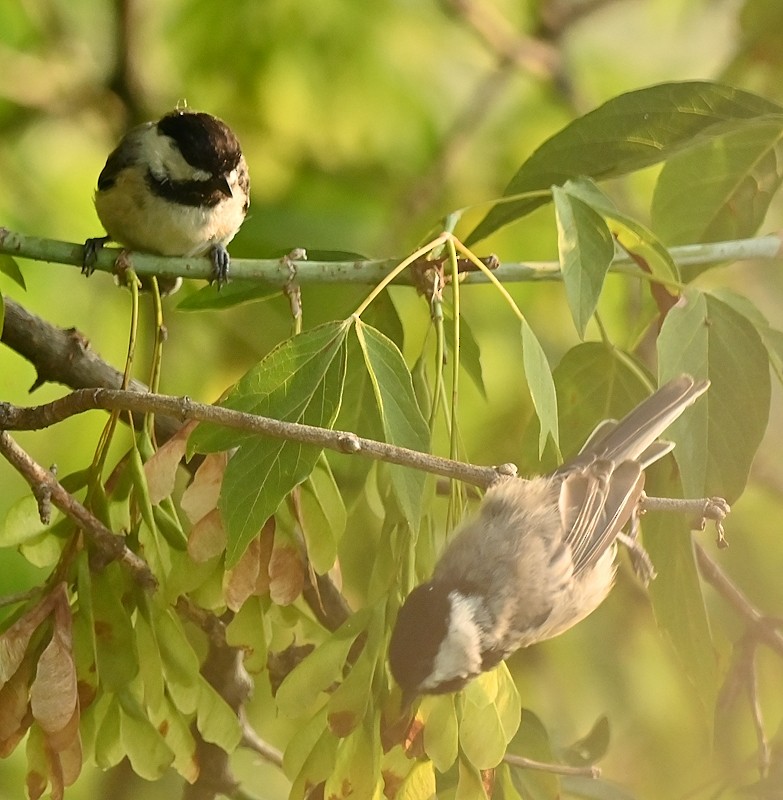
[[595, 503]]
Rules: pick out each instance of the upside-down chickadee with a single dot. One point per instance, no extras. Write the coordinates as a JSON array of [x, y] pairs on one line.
[[175, 187], [538, 557]]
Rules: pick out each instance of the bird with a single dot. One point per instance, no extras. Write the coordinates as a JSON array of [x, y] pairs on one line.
[[538, 557], [178, 186]]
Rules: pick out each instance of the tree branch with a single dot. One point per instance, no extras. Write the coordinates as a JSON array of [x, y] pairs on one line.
[[757, 622], [108, 543], [63, 355], [183, 408], [589, 771], [277, 271]]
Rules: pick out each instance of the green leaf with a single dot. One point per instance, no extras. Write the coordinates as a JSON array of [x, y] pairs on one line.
[[627, 133], [323, 516], [469, 353], [676, 592], [419, 783], [586, 249], [115, 640], [22, 523], [356, 770], [236, 293], [470, 785], [402, 420], [635, 238], [441, 733], [9, 267], [301, 687], [734, 177], [216, 721], [591, 747], [176, 731], [299, 381], [150, 663], [542, 388], [594, 382], [532, 741], [314, 751], [348, 704], [486, 728], [718, 438], [109, 749], [146, 749]]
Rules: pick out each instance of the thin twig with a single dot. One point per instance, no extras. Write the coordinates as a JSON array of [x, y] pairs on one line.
[[108, 543], [588, 771]]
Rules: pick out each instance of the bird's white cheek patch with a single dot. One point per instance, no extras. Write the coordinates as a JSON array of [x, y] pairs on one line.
[[460, 653]]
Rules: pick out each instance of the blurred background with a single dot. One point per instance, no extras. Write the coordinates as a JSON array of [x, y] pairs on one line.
[[363, 124]]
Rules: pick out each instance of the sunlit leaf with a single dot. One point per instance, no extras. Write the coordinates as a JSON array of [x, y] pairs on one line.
[[627, 133], [717, 439], [586, 249], [217, 722], [323, 516], [356, 771], [734, 177], [301, 687], [542, 388], [441, 733], [403, 423], [146, 749]]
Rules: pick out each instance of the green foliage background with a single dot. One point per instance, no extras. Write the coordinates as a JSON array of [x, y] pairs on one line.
[[345, 112]]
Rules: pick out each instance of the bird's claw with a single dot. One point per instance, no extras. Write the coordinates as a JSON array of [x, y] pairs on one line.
[[91, 249], [715, 509], [220, 264]]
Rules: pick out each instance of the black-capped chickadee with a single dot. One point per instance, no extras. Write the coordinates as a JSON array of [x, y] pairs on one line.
[[538, 557], [175, 187]]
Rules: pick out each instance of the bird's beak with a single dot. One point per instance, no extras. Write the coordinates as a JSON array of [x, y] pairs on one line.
[[225, 187]]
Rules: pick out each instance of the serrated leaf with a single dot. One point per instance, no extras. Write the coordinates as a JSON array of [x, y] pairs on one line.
[[586, 250], [718, 438], [403, 423], [299, 381], [542, 388], [627, 133], [734, 177]]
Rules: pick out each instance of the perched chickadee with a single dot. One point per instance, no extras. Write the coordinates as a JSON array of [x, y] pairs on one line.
[[175, 187], [538, 557]]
